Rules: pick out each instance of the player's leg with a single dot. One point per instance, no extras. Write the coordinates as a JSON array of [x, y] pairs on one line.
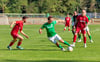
[[68, 27], [73, 30], [19, 42], [64, 42], [59, 46], [79, 36], [11, 43], [60, 39], [84, 37], [53, 39], [89, 35], [65, 26], [75, 36]]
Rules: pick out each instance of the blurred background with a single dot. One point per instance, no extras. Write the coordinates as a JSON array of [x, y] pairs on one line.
[[38, 10]]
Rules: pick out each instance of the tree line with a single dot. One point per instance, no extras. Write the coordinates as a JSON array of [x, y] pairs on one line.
[[53, 7]]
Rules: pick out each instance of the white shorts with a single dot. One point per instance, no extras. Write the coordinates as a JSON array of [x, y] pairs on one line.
[[87, 28], [54, 38]]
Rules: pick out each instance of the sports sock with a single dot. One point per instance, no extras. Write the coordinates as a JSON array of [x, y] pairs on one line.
[[75, 37], [64, 28], [90, 37], [68, 29], [79, 36], [11, 43], [65, 42], [19, 43], [84, 39], [59, 45]]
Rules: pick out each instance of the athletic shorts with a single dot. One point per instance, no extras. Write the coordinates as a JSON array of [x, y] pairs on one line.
[[14, 35], [67, 24], [54, 38], [78, 29], [87, 28]]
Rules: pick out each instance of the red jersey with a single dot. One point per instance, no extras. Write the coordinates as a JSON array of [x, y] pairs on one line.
[[18, 26], [82, 21], [67, 19]]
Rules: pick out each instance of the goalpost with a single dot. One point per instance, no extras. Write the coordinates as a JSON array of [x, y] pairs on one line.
[[4, 20]]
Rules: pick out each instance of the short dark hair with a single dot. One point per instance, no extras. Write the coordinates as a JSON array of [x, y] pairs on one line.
[[24, 17], [50, 17]]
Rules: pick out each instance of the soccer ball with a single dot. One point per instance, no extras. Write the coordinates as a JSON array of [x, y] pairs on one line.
[[70, 49]]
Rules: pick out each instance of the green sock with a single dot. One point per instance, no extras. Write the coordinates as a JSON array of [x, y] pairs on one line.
[[79, 37], [65, 42], [60, 46], [90, 37]]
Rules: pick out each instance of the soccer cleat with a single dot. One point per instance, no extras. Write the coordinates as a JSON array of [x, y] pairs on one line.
[[91, 41], [85, 46], [63, 49], [79, 40], [9, 47], [72, 45], [19, 47]]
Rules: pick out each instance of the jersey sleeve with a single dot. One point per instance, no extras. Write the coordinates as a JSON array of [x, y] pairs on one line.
[[88, 18], [43, 26], [17, 22], [54, 22]]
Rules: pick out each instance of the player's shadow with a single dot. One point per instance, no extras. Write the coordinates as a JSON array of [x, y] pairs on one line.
[[31, 50], [49, 61]]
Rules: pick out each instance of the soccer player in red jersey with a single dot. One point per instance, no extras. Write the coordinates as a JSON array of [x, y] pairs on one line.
[[67, 22], [14, 33], [82, 23]]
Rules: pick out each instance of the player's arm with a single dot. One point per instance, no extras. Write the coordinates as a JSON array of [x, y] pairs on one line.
[[24, 34], [40, 30], [60, 21], [86, 23], [75, 23], [12, 24]]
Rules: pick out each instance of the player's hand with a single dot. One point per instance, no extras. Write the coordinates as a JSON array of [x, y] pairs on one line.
[[40, 31], [26, 36], [10, 26]]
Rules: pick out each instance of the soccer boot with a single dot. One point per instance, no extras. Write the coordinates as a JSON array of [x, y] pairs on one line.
[[19, 47]]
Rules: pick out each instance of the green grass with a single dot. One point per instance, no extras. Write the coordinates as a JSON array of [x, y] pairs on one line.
[[39, 49]]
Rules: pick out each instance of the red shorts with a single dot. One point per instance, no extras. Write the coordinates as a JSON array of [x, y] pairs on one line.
[[78, 29], [14, 35], [67, 24]]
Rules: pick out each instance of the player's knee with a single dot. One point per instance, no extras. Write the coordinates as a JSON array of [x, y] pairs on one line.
[[14, 40], [84, 35], [21, 39]]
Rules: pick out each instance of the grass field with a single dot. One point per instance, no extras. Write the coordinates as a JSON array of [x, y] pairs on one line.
[[39, 49]]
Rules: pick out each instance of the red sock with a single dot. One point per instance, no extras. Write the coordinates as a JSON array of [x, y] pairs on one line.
[[64, 29], [68, 29], [19, 43], [75, 37], [11, 43], [84, 39]]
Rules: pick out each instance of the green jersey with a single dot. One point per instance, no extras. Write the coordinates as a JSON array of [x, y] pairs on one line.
[[50, 28], [88, 17]]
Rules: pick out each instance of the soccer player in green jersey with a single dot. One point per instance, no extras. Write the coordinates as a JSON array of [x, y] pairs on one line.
[[52, 35], [88, 32]]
